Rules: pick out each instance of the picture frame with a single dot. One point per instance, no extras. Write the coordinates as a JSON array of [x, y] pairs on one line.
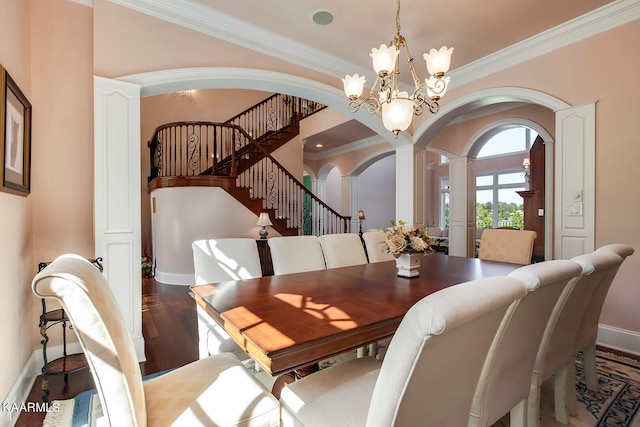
[[15, 131]]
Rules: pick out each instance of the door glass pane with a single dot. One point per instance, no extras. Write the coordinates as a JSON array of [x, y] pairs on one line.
[[510, 208], [484, 209]]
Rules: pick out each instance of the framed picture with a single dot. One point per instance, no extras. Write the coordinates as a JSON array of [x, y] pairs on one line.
[[15, 130]]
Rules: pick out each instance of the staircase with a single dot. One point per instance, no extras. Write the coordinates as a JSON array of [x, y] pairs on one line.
[[236, 156]]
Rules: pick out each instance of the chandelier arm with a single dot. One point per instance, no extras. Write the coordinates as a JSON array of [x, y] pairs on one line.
[[412, 68], [371, 104]]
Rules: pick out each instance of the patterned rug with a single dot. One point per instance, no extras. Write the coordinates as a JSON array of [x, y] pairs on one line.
[[616, 404]]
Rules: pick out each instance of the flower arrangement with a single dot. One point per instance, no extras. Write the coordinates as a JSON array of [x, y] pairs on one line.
[[406, 239], [147, 266]]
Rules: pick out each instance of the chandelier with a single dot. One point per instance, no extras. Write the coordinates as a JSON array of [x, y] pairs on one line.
[[398, 107]]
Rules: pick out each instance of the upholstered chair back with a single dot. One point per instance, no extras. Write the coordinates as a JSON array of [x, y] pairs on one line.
[[342, 250], [433, 363], [215, 391], [514, 246], [586, 340], [506, 376], [84, 294], [556, 354], [296, 254], [219, 260], [374, 242], [589, 328]]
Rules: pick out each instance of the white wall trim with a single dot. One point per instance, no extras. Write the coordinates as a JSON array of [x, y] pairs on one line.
[[88, 3], [166, 81], [618, 339], [174, 278], [193, 15], [603, 19], [20, 391], [372, 141]]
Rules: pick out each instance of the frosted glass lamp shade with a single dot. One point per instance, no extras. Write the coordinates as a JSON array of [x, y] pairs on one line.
[[384, 59], [436, 88], [438, 61], [353, 85], [397, 114]]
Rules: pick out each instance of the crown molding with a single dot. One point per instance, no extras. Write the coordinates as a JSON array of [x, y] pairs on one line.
[[352, 146], [610, 16], [192, 15], [88, 3]]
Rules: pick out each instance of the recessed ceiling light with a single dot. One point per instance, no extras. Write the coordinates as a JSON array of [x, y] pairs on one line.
[[322, 17], [318, 145]]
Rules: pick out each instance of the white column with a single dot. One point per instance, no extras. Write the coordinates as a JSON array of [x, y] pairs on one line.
[[462, 207], [350, 200], [405, 183]]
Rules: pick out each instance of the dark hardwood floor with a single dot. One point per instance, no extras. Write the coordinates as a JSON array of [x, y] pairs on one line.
[[169, 327]]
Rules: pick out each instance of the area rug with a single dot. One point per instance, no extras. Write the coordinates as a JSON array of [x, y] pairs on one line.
[[84, 410], [616, 404]]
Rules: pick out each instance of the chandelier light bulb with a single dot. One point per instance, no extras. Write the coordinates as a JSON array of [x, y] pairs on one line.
[[384, 59], [438, 61], [353, 85]]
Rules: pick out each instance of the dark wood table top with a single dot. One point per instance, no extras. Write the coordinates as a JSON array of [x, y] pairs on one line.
[[290, 321]]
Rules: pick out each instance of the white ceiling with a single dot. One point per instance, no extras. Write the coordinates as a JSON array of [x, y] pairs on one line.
[[285, 29]]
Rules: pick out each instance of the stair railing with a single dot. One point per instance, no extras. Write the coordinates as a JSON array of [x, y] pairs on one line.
[[268, 180], [191, 148], [274, 113]]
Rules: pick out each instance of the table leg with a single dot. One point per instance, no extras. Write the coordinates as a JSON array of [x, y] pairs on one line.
[[283, 380]]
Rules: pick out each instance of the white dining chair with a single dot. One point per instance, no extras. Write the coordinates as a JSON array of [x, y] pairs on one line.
[[219, 260], [513, 246], [556, 354], [342, 250], [296, 254], [430, 371], [374, 243], [217, 390], [586, 340], [505, 381]]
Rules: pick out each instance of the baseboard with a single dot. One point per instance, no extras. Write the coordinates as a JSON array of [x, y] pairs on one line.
[[619, 339], [174, 278], [19, 392]]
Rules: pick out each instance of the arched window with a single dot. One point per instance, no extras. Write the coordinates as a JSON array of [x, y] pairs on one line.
[[499, 176]]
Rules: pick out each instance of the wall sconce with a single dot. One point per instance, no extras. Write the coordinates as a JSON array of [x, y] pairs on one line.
[[360, 219], [526, 166], [264, 220]]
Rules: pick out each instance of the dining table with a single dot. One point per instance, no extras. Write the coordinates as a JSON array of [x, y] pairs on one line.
[[291, 321]]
